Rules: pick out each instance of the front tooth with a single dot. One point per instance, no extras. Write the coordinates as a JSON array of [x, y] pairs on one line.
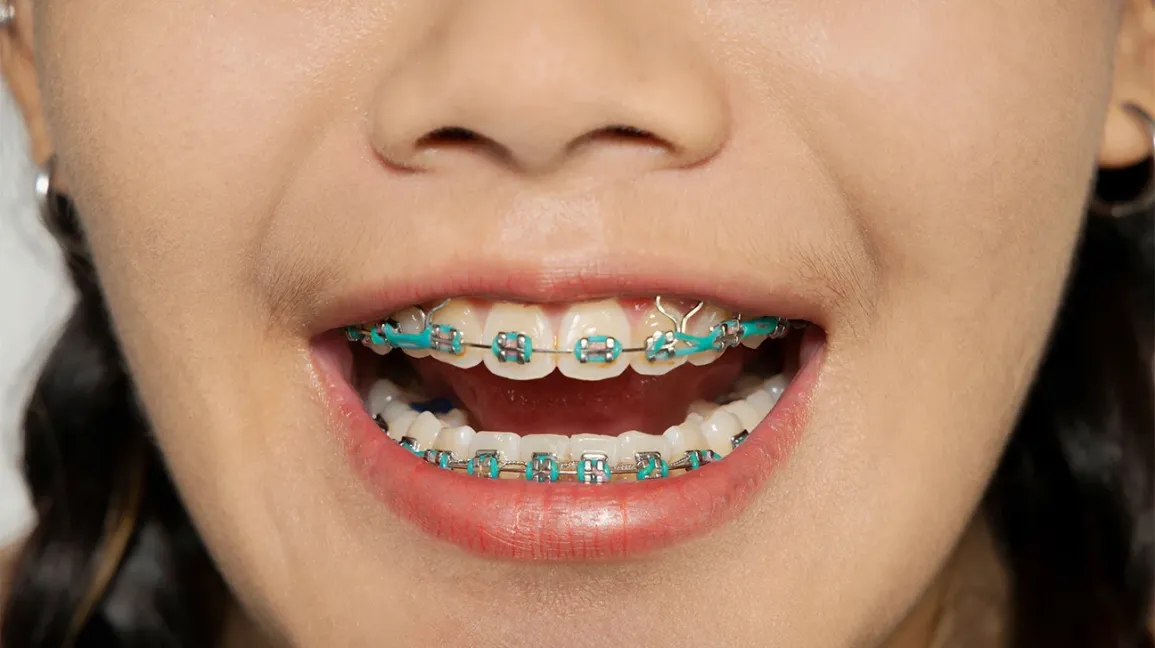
[[652, 321], [594, 443], [462, 315], [554, 444], [424, 430], [682, 438], [456, 440], [719, 429], [746, 413], [701, 324], [634, 442], [603, 318], [411, 321], [505, 443], [530, 321]]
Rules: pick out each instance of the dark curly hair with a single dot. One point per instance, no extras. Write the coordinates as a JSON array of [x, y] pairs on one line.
[[115, 561]]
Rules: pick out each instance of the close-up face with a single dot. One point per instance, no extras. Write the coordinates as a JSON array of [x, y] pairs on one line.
[[778, 273]]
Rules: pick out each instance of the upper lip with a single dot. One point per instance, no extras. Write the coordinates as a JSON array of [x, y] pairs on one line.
[[375, 300]]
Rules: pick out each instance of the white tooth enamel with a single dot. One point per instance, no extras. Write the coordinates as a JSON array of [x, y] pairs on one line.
[[694, 417], [453, 418], [505, 443], [719, 429], [462, 315], [410, 320], [762, 402], [700, 324], [754, 341], [702, 408], [424, 431], [776, 386], [598, 443], [455, 440], [633, 442], [746, 413], [684, 437], [605, 318], [555, 444], [379, 349], [744, 386], [649, 322], [530, 320], [398, 421], [381, 394]]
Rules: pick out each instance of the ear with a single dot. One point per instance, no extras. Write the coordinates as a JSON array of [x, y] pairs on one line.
[[19, 71], [1126, 140]]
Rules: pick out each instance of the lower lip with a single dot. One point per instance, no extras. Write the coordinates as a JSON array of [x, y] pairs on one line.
[[523, 520]]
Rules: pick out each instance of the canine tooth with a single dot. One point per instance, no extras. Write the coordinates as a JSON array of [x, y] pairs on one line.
[[687, 436], [455, 440], [719, 429], [381, 394], [555, 444], [462, 315], [410, 320], [603, 318], [453, 418], [582, 443], [526, 319], [633, 442], [653, 321], [424, 430], [700, 324], [746, 413], [505, 443]]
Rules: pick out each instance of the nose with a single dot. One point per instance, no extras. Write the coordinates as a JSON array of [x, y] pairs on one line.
[[535, 84]]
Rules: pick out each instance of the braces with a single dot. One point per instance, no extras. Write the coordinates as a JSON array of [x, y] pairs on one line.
[[514, 346], [590, 468]]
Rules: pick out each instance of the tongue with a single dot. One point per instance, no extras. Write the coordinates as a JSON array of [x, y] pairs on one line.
[[560, 405]]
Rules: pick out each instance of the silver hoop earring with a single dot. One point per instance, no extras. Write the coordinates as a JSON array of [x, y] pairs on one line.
[[45, 191], [1146, 198], [7, 14]]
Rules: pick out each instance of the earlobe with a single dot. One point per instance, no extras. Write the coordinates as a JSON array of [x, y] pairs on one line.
[[1126, 138], [17, 65]]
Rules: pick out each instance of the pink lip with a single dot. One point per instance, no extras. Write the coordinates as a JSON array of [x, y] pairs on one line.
[[554, 522]]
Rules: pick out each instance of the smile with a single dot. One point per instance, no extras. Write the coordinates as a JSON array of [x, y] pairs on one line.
[[624, 423]]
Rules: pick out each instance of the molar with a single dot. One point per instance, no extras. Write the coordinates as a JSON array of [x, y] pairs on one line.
[[746, 413], [529, 320], [398, 416], [604, 319], [462, 315]]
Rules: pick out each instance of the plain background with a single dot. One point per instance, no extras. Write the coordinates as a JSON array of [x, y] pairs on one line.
[[34, 299]]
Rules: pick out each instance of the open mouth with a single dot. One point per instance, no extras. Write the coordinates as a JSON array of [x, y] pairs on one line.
[[557, 431], [613, 390]]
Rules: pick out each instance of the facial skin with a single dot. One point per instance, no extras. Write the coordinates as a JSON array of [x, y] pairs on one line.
[[915, 170]]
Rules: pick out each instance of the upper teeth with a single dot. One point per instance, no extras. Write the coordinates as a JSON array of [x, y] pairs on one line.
[[592, 341]]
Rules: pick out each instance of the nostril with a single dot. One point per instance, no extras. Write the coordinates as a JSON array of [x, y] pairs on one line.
[[449, 135], [629, 132], [624, 136]]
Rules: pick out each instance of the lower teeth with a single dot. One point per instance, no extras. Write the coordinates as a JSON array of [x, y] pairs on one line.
[[708, 434]]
